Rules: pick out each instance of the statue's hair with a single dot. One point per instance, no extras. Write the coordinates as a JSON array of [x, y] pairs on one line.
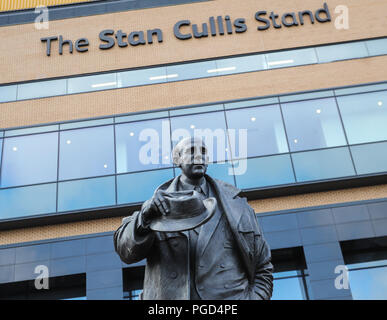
[[176, 152]]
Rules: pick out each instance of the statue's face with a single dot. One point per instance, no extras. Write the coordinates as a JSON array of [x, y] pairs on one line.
[[194, 160]]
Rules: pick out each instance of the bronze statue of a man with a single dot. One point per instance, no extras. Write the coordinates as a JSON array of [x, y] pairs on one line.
[[224, 258]]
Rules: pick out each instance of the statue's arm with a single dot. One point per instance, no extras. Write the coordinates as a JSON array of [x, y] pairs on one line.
[[133, 239], [263, 267]]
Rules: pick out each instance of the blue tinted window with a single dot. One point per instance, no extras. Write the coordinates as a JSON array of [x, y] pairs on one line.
[[25, 201], [41, 89], [87, 193], [241, 64], [291, 58], [92, 83], [313, 124], [191, 71], [141, 77], [364, 116], [377, 47], [341, 52], [370, 158], [1, 151], [262, 172], [368, 283], [211, 126], [138, 187], [265, 131], [143, 145], [323, 164], [86, 153], [8, 93], [29, 159], [288, 289], [223, 171]]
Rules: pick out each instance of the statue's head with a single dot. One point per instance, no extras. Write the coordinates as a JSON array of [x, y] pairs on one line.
[[191, 155]]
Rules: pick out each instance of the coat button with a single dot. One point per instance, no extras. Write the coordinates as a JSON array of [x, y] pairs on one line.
[[222, 265], [227, 286], [173, 275]]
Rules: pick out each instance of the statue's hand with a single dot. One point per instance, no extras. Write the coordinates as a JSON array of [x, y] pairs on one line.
[[155, 207]]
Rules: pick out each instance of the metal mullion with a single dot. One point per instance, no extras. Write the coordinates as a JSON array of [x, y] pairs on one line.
[[115, 162], [287, 140], [229, 145], [345, 134]]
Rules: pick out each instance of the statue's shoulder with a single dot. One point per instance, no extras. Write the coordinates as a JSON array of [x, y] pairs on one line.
[[225, 187]]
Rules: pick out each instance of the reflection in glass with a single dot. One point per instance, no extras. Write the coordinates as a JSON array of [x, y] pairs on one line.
[[323, 164], [209, 126], [26, 201], [377, 47], [364, 116], [313, 124], [92, 83], [291, 58], [344, 51], [288, 288], [143, 145], [41, 89], [138, 187], [87, 193], [368, 281], [191, 71], [370, 158], [29, 160], [265, 131], [141, 77], [241, 64], [8, 93], [86, 153], [261, 172]]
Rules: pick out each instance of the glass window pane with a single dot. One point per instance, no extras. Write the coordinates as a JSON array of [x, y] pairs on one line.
[[364, 116], [92, 83], [88, 193], [222, 170], [211, 126], [8, 93], [369, 284], [370, 158], [323, 164], [86, 153], [241, 64], [19, 202], [138, 187], [313, 124], [291, 58], [377, 47], [262, 172], [29, 160], [86, 123], [143, 145], [251, 103], [263, 128], [1, 151], [288, 289], [344, 51], [41, 89], [19, 132], [141, 77], [191, 71]]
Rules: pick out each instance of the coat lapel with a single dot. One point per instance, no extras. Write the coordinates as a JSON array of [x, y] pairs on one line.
[[206, 232]]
